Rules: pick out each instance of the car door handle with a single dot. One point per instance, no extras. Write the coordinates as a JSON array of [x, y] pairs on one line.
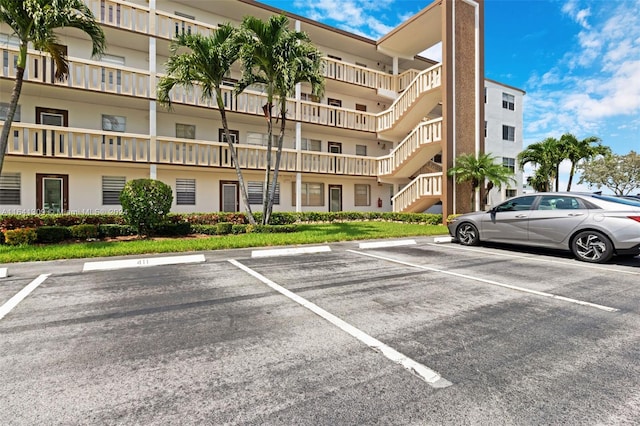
[[520, 216], [575, 214]]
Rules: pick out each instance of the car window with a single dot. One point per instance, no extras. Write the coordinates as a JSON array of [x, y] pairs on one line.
[[556, 202], [516, 204], [619, 200]]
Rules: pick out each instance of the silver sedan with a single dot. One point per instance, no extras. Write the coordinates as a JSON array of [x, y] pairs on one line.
[[594, 227]]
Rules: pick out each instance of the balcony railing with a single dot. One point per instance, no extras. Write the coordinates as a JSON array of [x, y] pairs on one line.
[[65, 142], [426, 185], [36, 140], [120, 14], [83, 74], [425, 81], [169, 26], [425, 133]]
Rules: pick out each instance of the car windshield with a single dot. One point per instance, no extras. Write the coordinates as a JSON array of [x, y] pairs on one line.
[[619, 200]]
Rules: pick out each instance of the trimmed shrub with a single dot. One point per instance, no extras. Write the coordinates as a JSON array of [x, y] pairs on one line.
[[224, 228], [16, 237], [179, 229], [112, 230], [204, 229], [52, 234], [145, 204], [239, 229], [85, 231], [271, 229]]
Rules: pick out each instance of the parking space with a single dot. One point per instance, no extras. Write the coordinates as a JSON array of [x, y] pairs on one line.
[[247, 339]]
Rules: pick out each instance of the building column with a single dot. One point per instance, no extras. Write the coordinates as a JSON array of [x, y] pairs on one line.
[[462, 101], [153, 131]]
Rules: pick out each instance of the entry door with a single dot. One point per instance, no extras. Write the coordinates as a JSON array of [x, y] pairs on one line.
[[335, 198], [52, 193], [52, 141], [229, 197]]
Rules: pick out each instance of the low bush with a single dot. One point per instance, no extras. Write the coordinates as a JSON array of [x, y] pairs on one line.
[[22, 236], [224, 228], [145, 204], [52, 234], [112, 230], [204, 229], [84, 232], [239, 229], [271, 229], [179, 229]]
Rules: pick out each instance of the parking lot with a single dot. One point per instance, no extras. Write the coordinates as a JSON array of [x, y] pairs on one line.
[[395, 332]]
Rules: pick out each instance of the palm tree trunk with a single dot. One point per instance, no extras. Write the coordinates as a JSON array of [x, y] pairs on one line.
[[13, 105], [276, 168], [267, 177], [234, 157], [571, 173]]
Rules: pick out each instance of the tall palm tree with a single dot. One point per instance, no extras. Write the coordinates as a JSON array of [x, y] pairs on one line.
[[206, 63], [477, 170], [547, 156], [277, 58], [36, 22], [578, 150]]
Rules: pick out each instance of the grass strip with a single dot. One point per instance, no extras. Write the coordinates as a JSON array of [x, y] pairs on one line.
[[306, 234]]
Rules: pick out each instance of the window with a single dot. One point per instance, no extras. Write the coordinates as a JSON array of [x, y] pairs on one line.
[[361, 150], [10, 189], [508, 101], [185, 191], [255, 191], [235, 135], [360, 64], [183, 27], [113, 123], [309, 97], [111, 188], [4, 111], [311, 144], [508, 133], [509, 163], [511, 193], [337, 58], [362, 195], [255, 138], [312, 194], [554, 202], [361, 108], [112, 59], [186, 131], [517, 204]]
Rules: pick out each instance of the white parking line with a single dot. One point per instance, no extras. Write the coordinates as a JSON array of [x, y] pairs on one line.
[[290, 251], [582, 265], [482, 280], [13, 302], [147, 261], [431, 377], [378, 244]]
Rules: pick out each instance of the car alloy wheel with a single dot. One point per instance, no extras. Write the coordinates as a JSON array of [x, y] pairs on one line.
[[467, 234], [592, 246]]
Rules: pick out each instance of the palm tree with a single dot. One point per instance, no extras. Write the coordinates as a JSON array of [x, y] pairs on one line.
[[547, 156], [277, 58], [35, 21], [206, 63], [577, 150], [477, 170]]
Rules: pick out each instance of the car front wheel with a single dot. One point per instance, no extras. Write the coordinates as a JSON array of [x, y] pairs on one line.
[[592, 246], [467, 234]]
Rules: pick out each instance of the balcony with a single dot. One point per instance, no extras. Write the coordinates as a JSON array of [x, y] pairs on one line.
[[83, 74], [120, 14], [49, 142]]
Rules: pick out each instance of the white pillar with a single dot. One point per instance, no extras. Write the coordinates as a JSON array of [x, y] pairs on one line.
[[153, 131]]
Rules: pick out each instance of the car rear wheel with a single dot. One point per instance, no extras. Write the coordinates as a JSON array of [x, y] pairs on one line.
[[592, 246], [467, 234]]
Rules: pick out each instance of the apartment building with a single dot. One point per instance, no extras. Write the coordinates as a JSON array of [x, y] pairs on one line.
[[503, 134], [382, 138]]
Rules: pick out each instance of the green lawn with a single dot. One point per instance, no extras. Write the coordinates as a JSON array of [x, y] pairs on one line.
[[306, 234]]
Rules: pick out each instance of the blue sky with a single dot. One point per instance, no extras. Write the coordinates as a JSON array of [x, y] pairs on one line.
[[578, 60]]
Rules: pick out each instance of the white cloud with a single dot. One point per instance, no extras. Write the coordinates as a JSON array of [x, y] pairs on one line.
[[597, 84]]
